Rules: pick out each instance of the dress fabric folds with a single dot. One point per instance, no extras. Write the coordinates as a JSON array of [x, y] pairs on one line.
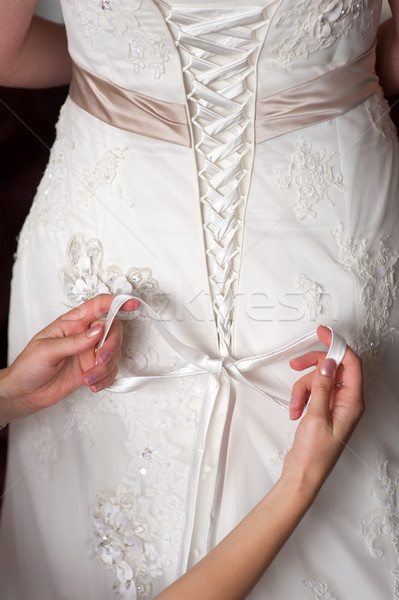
[[233, 165]]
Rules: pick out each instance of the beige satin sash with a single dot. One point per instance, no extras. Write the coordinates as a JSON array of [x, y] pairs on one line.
[[322, 98], [129, 110]]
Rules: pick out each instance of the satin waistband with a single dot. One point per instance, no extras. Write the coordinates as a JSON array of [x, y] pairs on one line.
[[319, 99]]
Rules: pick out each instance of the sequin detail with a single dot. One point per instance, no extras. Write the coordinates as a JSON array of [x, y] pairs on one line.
[[384, 521], [313, 175], [143, 49], [311, 292], [102, 176], [135, 531], [49, 209], [379, 111], [377, 275], [85, 276], [319, 24]]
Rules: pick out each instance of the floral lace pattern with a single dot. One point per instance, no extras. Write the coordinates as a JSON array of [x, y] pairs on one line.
[[125, 525], [379, 289], [312, 293], [103, 175], [86, 277], [312, 173], [319, 24], [144, 50], [49, 210], [384, 522], [320, 589], [379, 111]]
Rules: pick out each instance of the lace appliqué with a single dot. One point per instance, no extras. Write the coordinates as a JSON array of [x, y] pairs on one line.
[[41, 445], [379, 111], [103, 175], [385, 521], [144, 49], [49, 209], [320, 589], [377, 295], [135, 532], [86, 277], [319, 24], [311, 292], [279, 457], [312, 174]]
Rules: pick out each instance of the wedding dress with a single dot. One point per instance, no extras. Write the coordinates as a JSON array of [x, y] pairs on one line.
[[233, 164]]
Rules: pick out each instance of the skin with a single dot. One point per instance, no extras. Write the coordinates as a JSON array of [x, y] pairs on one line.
[[61, 358], [231, 570], [387, 64]]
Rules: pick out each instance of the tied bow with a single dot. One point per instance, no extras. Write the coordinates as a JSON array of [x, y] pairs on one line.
[[226, 369]]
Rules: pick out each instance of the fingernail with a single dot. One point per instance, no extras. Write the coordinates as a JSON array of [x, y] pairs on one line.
[[328, 367], [105, 357], [293, 409], [94, 330], [92, 378], [96, 388]]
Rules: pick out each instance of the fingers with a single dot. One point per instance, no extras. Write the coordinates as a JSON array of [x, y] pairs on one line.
[[101, 370], [80, 318], [322, 388], [300, 396]]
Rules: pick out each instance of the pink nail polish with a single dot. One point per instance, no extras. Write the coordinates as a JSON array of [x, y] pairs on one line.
[[328, 367]]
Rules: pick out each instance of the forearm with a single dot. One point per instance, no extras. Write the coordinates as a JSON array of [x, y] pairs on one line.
[[33, 51], [231, 570]]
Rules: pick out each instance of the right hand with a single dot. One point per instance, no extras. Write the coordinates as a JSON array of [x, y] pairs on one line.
[[333, 412]]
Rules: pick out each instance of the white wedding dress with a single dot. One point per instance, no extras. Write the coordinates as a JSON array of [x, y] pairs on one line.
[[234, 165]]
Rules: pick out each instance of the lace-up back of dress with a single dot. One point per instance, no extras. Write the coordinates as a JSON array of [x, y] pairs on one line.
[[219, 52]]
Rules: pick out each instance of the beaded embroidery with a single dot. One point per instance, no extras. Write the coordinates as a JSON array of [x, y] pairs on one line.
[[385, 520], [144, 50], [312, 173], [311, 292], [379, 111], [125, 526], [378, 292], [319, 24], [103, 175]]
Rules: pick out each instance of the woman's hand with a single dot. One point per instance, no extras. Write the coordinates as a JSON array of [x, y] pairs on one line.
[[334, 409], [61, 358]]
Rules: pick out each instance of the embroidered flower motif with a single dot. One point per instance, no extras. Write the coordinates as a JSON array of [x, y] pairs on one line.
[[320, 589], [49, 209], [135, 531], [379, 111], [384, 522], [85, 276], [118, 543], [312, 174], [103, 175], [311, 292], [377, 295], [144, 50], [319, 24]]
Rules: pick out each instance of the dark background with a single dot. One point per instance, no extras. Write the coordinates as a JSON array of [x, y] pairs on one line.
[[27, 120]]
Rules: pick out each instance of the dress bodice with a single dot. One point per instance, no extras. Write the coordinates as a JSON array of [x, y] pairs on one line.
[[131, 43]]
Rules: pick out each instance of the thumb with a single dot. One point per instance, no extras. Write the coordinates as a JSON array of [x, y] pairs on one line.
[[322, 387], [62, 347]]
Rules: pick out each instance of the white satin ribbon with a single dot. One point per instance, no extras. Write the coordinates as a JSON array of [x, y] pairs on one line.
[[225, 369]]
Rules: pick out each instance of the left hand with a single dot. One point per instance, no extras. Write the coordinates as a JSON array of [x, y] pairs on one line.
[[335, 407], [61, 358]]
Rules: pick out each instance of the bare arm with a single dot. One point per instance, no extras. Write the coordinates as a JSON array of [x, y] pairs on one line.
[[231, 570], [387, 64], [33, 51]]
